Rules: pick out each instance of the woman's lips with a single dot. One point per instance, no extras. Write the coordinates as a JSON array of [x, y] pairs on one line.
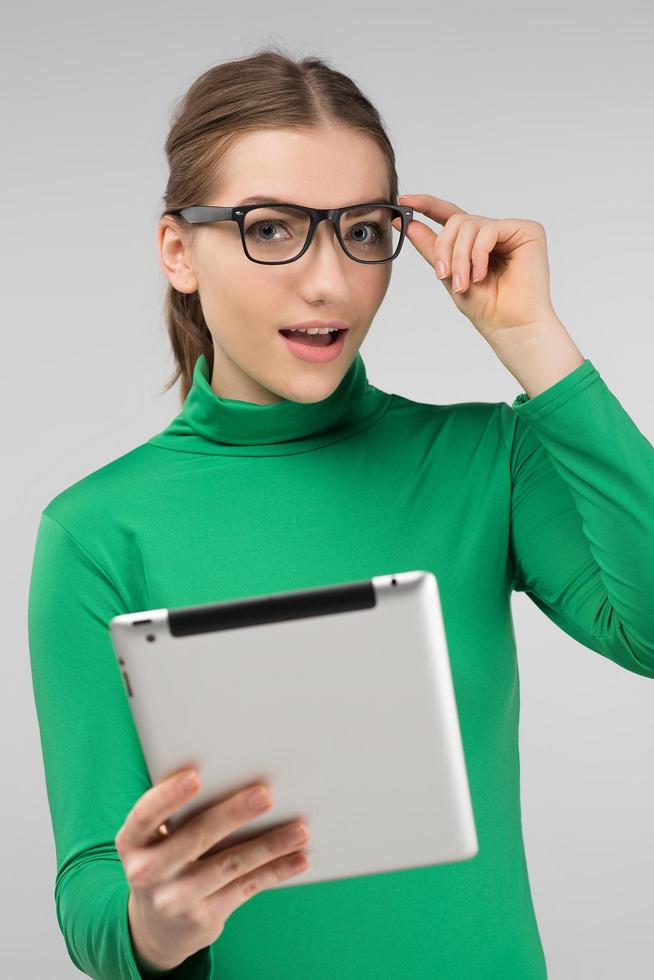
[[307, 350]]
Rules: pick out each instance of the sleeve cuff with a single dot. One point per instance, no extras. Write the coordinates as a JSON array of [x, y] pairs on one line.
[[558, 393]]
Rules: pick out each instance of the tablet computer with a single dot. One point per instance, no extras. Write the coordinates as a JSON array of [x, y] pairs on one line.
[[338, 698]]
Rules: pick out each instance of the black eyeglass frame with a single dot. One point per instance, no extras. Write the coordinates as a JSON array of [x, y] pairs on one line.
[[205, 213]]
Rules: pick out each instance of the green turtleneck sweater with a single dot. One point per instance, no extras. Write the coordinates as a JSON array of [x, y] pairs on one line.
[[552, 496]]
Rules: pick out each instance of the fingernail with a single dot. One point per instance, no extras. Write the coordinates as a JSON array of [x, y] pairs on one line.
[[441, 269], [456, 281]]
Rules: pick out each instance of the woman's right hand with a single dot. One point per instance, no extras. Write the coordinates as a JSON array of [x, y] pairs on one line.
[[178, 904]]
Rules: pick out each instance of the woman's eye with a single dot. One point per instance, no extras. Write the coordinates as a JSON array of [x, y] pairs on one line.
[[376, 230], [263, 224]]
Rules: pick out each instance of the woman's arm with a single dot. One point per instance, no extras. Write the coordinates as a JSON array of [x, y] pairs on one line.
[[94, 765], [582, 515]]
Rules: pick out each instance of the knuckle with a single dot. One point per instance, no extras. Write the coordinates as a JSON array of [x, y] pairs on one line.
[[198, 918], [535, 226], [202, 840], [140, 820], [279, 870], [138, 869], [250, 885], [197, 834], [230, 865], [166, 902], [283, 840], [235, 809], [285, 867]]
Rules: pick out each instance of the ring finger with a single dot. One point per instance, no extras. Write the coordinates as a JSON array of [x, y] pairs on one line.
[[460, 261], [208, 875]]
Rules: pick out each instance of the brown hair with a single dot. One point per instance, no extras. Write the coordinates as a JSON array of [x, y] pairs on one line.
[[265, 90]]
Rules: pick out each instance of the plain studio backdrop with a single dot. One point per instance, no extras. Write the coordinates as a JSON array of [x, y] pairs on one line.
[[504, 109]]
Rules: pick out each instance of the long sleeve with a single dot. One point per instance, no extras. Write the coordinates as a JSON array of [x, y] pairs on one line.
[[94, 766], [582, 516]]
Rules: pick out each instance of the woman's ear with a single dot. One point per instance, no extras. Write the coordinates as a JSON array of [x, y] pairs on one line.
[[174, 255]]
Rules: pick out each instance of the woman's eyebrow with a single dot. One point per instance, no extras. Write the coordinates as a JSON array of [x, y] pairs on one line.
[[270, 199], [263, 199]]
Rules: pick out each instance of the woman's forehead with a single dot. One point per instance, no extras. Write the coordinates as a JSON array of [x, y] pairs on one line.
[[317, 168]]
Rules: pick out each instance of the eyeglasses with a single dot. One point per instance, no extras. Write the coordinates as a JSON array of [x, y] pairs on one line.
[[293, 227]]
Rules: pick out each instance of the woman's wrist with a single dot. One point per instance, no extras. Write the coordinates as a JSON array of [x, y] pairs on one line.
[[148, 963]]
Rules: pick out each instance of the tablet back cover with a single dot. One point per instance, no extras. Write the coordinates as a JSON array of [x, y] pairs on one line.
[[340, 699]]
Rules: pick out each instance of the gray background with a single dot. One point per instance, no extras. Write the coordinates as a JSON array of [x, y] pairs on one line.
[[504, 109]]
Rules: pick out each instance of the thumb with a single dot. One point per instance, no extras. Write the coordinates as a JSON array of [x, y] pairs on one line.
[[420, 235]]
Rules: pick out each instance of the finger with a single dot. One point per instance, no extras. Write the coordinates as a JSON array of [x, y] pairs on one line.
[[194, 838], [205, 877], [223, 902], [422, 238], [484, 244], [514, 231], [442, 257], [460, 259], [152, 809], [421, 235]]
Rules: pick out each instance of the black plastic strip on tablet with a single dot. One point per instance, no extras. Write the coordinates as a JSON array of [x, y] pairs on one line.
[[185, 621]]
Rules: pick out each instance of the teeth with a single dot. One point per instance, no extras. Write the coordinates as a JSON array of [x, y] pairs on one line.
[[314, 330]]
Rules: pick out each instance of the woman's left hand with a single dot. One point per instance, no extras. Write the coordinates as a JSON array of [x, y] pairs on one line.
[[507, 257]]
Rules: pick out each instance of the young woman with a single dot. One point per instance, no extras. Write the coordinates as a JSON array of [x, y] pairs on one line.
[[287, 469]]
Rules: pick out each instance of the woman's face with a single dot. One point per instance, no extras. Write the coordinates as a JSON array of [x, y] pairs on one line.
[[245, 304]]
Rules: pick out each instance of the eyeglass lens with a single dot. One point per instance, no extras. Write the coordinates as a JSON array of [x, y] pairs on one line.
[[278, 233]]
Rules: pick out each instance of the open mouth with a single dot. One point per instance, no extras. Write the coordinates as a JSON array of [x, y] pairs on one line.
[[313, 339]]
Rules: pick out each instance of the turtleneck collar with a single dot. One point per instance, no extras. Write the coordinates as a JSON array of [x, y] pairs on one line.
[[211, 424]]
